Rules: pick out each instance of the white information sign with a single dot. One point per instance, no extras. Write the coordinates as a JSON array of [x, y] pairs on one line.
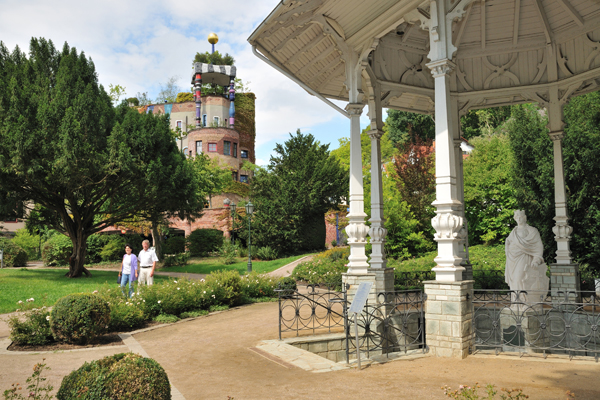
[[360, 298]]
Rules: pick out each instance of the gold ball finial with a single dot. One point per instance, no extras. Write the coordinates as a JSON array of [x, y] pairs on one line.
[[213, 38]]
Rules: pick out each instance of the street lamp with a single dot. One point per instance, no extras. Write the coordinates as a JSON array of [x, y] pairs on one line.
[[249, 211], [232, 208]]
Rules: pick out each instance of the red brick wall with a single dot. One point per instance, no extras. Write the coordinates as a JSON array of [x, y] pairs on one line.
[[211, 219]]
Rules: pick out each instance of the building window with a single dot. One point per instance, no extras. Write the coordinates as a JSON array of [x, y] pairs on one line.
[[244, 153], [199, 147], [227, 148], [234, 152], [212, 147], [179, 124], [185, 151], [204, 120], [234, 176], [216, 121], [244, 178]]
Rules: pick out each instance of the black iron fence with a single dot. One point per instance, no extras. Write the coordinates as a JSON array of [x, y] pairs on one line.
[[544, 323], [315, 308], [395, 323]]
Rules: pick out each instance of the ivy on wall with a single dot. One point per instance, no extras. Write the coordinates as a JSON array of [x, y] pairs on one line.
[[245, 119]]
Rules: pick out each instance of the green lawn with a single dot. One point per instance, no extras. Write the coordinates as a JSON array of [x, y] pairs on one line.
[[47, 285], [208, 265]]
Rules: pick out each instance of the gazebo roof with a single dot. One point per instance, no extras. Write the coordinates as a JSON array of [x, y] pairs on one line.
[[507, 51]]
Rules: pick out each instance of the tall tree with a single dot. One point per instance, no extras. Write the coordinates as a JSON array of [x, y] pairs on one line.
[[489, 193], [168, 91], [292, 195], [404, 126], [414, 168], [86, 164]]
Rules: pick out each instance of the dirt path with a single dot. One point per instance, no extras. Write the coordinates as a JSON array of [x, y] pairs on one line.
[[209, 358]]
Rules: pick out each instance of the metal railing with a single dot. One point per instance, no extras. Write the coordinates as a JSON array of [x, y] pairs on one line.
[[545, 323], [316, 308], [395, 323]]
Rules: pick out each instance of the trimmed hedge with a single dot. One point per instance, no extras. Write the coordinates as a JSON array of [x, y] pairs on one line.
[[78, 318], [14, 255], [174, 245], [203, 241], [124, 376]]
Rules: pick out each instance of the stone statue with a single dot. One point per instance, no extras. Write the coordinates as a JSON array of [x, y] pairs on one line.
[[525, 267]]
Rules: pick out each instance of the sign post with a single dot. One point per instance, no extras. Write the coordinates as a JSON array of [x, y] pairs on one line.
[[1, 258], [360, 299]]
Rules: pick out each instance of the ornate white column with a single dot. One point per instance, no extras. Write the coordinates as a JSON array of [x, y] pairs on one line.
[[356, 229], [448, 222], [562, 230], [377, 231]]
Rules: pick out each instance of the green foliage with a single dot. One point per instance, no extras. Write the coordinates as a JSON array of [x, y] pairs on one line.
[[301, 183], [266, 253], [326, 267], [124, 376], [489, 393], [226, 286], [255, 285], [215, 58], [125, 314], [99, 165], [79, 318], [174, 245], [166, 318], [174, 260], [182, 97], [28, 242], [287, 285], [36, 388], [114, 249], [115, 92], [56, 250], [32, 329], [134, 101], [245, 119], [203, 241], [239, 188], [489, 194], [402, 126], [533, 171], [14, 255], [228, 252], [483, 121], [193, 314]]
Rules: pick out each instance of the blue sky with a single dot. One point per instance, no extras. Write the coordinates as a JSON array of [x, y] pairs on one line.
[[141, 44]]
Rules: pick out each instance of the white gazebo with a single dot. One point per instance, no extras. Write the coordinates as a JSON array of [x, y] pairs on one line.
[[440, 57]]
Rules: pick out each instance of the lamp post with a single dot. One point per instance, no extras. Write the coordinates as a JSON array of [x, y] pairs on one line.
[[232, 207], [249, 211], [226, 202]]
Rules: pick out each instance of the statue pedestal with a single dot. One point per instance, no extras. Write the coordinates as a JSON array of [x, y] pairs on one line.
[[565, 278]]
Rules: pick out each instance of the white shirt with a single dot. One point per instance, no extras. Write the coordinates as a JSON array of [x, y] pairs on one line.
[[146, 258], [127, 264]]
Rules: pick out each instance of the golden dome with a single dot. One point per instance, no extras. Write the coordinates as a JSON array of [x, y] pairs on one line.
[[213, 38]]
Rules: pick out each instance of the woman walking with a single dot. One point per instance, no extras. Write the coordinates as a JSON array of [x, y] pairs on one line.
[[129, 270]]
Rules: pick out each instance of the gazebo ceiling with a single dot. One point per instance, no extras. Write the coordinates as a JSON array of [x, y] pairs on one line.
[[508, 51]]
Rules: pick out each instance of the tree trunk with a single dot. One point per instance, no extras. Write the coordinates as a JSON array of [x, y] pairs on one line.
[[77, 259], [157, 240]]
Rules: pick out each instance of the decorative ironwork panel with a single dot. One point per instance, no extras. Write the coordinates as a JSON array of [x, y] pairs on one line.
[[550, 323], [316, 308]]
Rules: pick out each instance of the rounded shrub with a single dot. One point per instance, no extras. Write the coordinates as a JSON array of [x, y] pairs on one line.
[[226, 286], [266, 253], [78, 318], [113, 249], [174, 245], [124, 376], [14, 255], [57, 250], [32, 329], [203, 241]]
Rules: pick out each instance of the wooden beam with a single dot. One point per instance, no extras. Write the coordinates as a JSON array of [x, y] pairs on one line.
[[461, 30], [292, 36], [310, 45], [516, 22], [325, 69], [571, 11], [315, 60], [482, 16], [547, 30]]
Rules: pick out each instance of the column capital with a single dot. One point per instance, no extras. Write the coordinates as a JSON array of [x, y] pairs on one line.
[[355, 108], [441, 67], [375, 134], [558, 135]]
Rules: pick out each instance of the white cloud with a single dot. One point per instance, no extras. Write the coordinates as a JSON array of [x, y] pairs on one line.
[[140, 44]]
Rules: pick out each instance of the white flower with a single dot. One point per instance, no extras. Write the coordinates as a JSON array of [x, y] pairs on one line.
[[20, 302], [178, 288], [174, 281], [47, 318], [30, 300], [204, 292], [201, 280], [144, 301], [127, 303], [94, 292], [160, 301], [213, 296]]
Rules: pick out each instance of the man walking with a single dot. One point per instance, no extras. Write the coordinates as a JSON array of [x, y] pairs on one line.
[[147, 260]]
